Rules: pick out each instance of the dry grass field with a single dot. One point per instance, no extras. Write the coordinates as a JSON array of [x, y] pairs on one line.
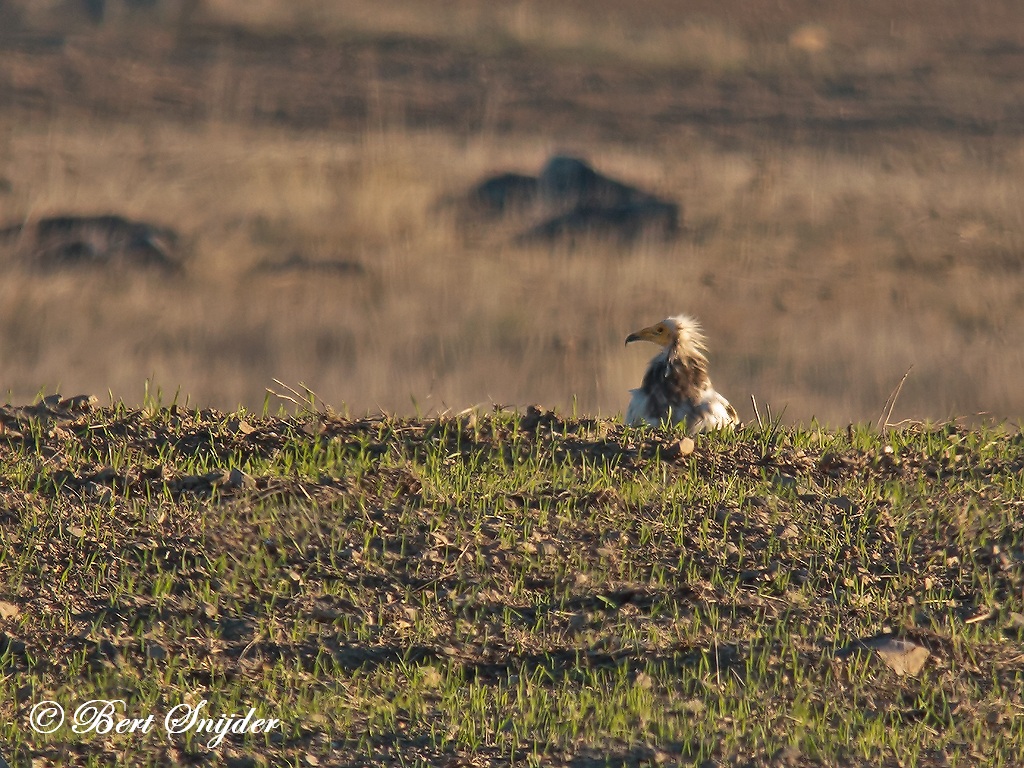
[[850, 181]]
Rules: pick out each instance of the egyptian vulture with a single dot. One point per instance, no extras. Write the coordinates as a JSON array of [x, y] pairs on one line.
[[676, 387]]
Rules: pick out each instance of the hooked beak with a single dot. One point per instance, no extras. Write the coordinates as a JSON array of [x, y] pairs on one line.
[[644, 334]]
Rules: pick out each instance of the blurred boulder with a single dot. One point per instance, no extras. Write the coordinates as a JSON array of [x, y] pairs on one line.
[[567, 183], [571, 198], [627, 222], [65, 242], [504, 193], [70, 16]]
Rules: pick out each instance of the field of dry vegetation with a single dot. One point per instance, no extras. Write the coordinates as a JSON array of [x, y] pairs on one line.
[[850, 181]]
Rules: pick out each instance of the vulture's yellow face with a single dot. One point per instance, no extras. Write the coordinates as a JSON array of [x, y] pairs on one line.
[[662, 334]]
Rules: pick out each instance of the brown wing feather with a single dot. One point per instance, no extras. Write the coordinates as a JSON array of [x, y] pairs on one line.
[[671, 385]]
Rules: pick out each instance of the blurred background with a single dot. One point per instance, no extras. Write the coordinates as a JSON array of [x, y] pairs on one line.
[[207, 195]]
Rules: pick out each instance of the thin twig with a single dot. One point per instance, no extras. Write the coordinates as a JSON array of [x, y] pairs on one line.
[[890, 404], [757, 413], [310, 396]]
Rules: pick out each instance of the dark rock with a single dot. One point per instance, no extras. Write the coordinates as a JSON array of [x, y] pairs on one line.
[[60, 242], [96, 10], [627, 222], [569, 183], [569, 199], [504, 193]]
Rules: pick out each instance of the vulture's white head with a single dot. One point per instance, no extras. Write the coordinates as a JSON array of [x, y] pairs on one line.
[[682, 332]]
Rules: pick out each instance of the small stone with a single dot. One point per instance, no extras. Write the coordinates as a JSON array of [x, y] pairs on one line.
[[155, 651], [83, 403], [12, 645], [534, 415], [784, 482], [241, 426], [239, 479], [902, 656], [843, 504], [680, 449], [788, 532]]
